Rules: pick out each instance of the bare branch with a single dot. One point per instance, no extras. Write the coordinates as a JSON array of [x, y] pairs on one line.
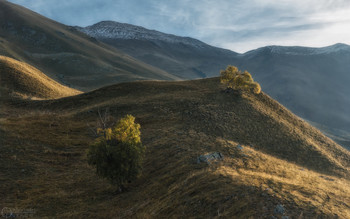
[[94, 132]]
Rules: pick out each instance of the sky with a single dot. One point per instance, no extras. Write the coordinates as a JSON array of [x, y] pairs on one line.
[[238, 25]]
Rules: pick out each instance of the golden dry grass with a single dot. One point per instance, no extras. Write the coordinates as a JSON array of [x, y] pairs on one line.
[[26, 81], [283, 161]]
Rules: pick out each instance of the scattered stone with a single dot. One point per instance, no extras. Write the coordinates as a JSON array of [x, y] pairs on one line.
[[210, 157], [239, 147], [327, 178], [285, 217], [279, 209], [229, 197]]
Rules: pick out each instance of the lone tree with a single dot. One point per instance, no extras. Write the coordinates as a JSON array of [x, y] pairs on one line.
[[236, 80], [118, 153]]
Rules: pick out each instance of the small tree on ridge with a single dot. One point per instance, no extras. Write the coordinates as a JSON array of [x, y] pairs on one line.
[[235, 79]]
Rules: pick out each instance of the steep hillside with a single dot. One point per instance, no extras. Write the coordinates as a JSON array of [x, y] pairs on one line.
[[67, 55], [23, 80], [273, 162], [312, 82]]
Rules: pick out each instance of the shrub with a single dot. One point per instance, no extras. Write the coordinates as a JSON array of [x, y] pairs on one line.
[[235, 79], [118, 153]]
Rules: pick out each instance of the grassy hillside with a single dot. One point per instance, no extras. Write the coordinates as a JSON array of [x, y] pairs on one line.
[[271, 157], [65, 54], [23, 80], [311, 82]]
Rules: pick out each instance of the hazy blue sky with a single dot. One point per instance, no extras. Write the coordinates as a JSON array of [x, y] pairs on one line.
[[239, 25]]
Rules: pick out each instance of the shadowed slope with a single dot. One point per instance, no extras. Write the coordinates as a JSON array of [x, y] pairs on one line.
[[184, 57], [311, 82], [24, 80], [65, 54], [256, 120], [281, 159]]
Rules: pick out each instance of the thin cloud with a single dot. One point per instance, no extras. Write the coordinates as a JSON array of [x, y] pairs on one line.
[[233, 24]]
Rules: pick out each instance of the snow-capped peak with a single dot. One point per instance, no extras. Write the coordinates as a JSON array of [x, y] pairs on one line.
[[334, 48], [298, 50], [116, 30]]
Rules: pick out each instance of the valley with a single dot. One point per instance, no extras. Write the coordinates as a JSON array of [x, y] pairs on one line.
[[210, 151]]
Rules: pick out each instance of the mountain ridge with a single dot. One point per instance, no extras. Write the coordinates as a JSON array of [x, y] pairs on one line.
[[302, 50], [113, 29], [298, 77], [116, 30]]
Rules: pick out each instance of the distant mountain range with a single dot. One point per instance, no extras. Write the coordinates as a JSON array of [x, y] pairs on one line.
[[312, 82], [112, 30], [183, 57]]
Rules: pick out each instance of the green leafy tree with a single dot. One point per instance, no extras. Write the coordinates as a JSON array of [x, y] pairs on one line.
[[118, 153], [235, 79]]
